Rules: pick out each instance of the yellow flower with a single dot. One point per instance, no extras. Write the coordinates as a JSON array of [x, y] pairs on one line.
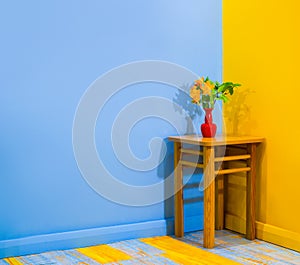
[[206, 91], [195, 94], [210, 84], [200, 82], [206, 87]]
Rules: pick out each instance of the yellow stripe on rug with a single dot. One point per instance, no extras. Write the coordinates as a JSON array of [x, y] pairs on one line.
[[183, 253], [104, 254], [13, 261]]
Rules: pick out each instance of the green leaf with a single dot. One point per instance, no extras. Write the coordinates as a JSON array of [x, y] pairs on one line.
[[221, 88], [224, 98], [230, 89]]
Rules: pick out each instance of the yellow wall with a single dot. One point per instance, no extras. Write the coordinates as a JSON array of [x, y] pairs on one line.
[[262, 52]]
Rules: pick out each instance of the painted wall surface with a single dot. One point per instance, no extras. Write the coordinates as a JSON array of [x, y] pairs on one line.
[[261, 51], [50, 52]]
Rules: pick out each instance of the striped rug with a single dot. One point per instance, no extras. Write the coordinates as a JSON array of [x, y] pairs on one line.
[[236, 247], [230, 248]]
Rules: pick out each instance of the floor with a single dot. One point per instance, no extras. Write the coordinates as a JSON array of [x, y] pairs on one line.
[[231, 248]]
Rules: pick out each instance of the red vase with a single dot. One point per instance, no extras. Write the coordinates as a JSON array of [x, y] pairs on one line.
[[208, 128]]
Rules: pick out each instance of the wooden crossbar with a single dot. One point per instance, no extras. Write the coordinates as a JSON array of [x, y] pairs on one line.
[[232, 158], [233, 170], [191, 151], [191, 164]]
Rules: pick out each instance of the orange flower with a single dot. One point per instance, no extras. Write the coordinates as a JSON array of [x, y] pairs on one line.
[[195, 94], [207, 91], [200, 82], [210, 84], [207, 87]]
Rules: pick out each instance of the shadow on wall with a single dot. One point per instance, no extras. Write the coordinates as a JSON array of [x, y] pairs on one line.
[[192, 114], [237, 114], [239, 121], [193, 196], [165, 173], [183, 105]]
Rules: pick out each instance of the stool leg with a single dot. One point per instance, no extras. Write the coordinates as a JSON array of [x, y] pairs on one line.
[[220, 192], [250, 207], [178, 198], [209, 197], [219, 202]]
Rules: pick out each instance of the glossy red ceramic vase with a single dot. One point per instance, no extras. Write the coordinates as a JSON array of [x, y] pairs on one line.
[[208, 128]]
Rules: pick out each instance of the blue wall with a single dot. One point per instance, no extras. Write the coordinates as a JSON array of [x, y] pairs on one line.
[[50, 52]]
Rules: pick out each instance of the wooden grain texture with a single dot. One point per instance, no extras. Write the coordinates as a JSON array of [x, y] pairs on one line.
[[220, 152], [215, 190], [232, 158], [209, 197], [220, 140], [191, 151], [234, 170], [219, 188], [191, 164], [219, 185], [250, 196], [178, 198]]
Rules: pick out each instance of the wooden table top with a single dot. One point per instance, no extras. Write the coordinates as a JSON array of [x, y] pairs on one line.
[[218, 140]]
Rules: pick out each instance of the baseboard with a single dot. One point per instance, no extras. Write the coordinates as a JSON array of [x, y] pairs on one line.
[[278, 236], [94, 236], [266, 232], [193, 223]]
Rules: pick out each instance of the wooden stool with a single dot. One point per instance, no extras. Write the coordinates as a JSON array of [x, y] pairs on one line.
[[209, 149]]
